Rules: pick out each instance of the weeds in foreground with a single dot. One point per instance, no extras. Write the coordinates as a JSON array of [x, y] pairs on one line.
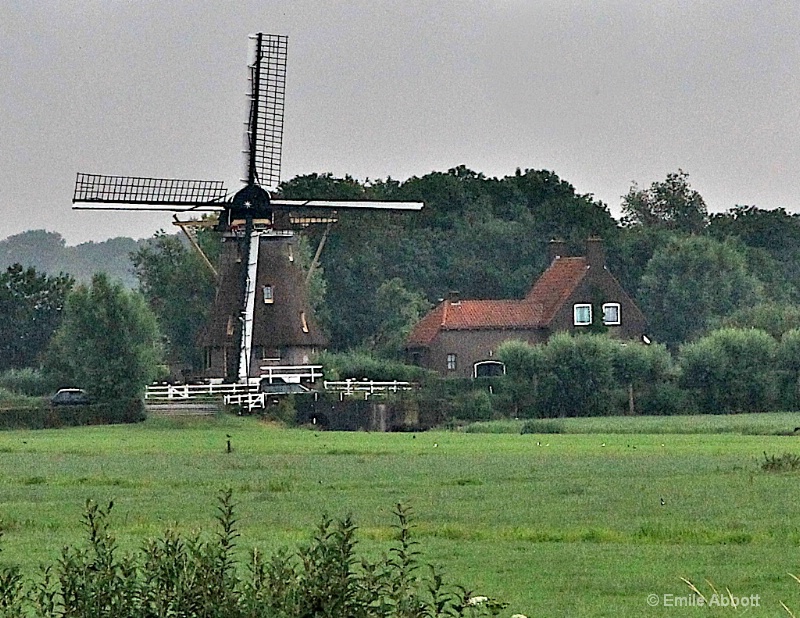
[[788, 462], [199, 577]]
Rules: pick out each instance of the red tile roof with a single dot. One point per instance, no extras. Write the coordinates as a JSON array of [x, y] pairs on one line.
[[536, 310], [556, 284]]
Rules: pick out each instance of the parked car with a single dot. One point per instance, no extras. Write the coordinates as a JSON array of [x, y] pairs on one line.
[[70, 397]]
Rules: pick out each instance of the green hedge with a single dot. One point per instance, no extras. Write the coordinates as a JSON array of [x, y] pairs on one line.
[[47, 416]]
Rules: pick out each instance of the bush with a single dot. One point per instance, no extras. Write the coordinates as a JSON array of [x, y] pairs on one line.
[[44, 416], [361, 365], [474, 405], [731, 370], [579, 376], [26, 381], [665, 399], [200, 577], [788, 462]]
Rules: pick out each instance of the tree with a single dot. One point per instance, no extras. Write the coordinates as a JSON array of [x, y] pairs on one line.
[[693, 282], [732, 370], [771, 233], [397, 309], [179, 289], [108, 342], [671, 204], [772, 317], [636, 366], [31, 307], [579, 376], [524, 364]]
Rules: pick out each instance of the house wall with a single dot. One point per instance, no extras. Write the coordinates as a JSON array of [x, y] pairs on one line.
[[471, 346], [597, 288]]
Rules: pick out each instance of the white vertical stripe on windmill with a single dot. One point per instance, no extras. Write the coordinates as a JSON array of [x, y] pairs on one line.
[[249, 307]]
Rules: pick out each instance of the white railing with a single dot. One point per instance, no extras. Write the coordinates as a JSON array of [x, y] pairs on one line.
[[291, 374], [367, 387], [190, 391], [246, 400]]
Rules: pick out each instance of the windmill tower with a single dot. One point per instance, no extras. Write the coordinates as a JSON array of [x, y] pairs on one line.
[[261, 313]]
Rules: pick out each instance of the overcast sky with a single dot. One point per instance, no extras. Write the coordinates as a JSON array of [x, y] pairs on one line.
[[601, 92]]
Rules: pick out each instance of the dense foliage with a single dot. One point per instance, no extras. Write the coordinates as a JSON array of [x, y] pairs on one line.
[[179, 289], [48, 253], [108, 343], [31, 306], [691, 272], [201, 577]]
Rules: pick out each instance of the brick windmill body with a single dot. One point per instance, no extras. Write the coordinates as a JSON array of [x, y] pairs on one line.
[[261, 316]]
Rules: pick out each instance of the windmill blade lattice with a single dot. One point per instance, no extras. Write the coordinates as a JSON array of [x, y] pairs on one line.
[[265, 124], [171, 193]]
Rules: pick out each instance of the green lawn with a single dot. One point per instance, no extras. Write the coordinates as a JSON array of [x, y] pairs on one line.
[[567, 524]]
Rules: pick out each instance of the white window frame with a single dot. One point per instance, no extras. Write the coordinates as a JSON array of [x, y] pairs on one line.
[[577, 307], [487, 362], [269, 294], [616, 322], [452, 361]]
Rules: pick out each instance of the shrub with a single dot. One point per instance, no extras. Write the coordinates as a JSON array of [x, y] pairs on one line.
[[787, 462], [200, 577], [731, 370], [26, 381], [474, 405], [665, 399], [361, 365], [579, 376], [38, 415]]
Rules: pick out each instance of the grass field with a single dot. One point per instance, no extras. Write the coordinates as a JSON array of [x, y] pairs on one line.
[[568, 524]]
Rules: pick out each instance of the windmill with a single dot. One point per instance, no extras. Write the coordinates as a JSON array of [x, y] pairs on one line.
[[261, 313]]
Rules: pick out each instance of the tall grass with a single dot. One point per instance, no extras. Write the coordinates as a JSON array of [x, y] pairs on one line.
[[775, 424]]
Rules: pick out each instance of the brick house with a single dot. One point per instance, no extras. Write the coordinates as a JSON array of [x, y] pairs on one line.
[[459, 338]]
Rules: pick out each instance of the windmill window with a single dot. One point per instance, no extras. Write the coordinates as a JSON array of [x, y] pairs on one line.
[[268, 297], [229, 328], [582, 314], [303, 321], [452, 362], [271, 355], [611, 314]]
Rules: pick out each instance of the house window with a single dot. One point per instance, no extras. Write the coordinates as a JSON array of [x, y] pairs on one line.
[[611, 313], [268, 294], [451, 362], [582, 314]]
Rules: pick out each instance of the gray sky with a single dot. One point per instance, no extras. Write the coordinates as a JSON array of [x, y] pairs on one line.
[[601, 92]]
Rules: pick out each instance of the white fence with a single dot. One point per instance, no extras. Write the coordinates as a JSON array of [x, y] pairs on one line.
[[367, 387], [290, 374], [190, 391], [246, 400]]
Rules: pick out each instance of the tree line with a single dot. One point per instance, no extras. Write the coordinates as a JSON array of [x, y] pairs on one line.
[[691, 272]]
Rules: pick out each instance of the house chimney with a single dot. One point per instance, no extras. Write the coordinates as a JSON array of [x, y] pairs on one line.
[[454, 297], [557, 248], [595, 253]]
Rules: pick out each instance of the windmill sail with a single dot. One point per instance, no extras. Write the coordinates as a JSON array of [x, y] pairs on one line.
[[265, 124], [261, 315], [99, 191]]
